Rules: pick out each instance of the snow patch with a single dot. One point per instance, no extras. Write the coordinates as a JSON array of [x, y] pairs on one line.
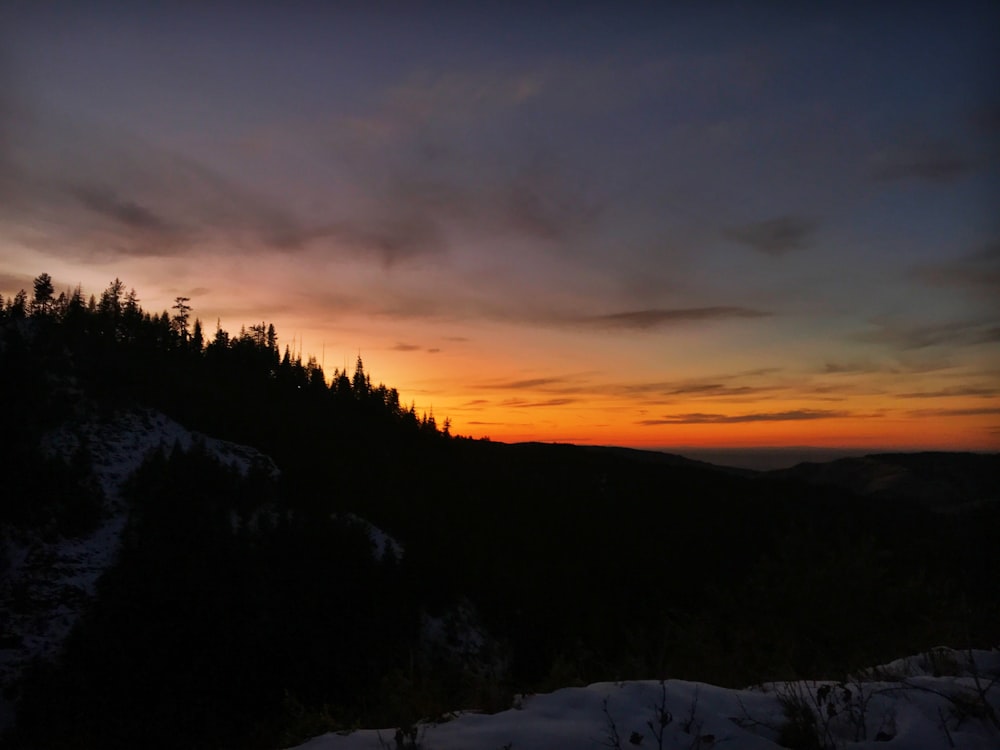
[[382, 542], [903, 704]]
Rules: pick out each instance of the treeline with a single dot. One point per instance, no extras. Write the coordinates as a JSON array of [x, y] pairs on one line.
[[240, 387], [101, 329]]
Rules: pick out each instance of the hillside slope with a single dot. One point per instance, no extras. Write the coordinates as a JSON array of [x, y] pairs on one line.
[[49, 579]]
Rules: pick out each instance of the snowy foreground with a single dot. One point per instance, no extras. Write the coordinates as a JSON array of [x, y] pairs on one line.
[[934, 701]]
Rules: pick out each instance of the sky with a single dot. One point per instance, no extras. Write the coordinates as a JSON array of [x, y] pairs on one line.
[[721, 227]]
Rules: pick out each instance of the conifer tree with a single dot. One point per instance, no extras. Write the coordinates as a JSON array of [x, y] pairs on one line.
[[221, 339], [181, 317], [360, 382], [197, 337], [19, 306], [111, 299], [42, 303]]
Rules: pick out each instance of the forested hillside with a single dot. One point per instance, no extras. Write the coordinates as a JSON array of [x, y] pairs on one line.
[[250, 609]]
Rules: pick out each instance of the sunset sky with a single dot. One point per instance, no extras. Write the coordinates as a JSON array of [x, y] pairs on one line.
[[680, 227]]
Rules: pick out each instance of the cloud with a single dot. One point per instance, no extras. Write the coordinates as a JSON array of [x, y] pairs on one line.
[[978, 271], [391, 240], [16, 281], [708, 390], [518, 403], [541, 202], [842, 368], [403, 347], [87, 191], [517, 385], [711, 387], [936, 161], [413, 198], [106, 202], [906, 336], [784, 416], [777, 236], [972, 412], [717, 389], [953, 392], [895, 368], [654, 318]]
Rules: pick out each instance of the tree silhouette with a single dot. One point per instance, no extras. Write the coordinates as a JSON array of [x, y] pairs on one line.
[[180, 319], [197, 337], [18, 307], [111, 299], [42, 302]]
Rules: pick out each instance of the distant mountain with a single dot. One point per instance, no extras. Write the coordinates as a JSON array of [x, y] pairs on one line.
[[664, 458], [939, 481]]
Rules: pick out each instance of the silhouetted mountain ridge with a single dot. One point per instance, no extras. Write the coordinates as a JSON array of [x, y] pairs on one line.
[[938, 480]]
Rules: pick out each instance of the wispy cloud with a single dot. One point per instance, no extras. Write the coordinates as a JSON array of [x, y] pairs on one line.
[[475, 402], [526, 384], [956, 391], [777, 236], [15, 281], [732, 387], [898, 366], [106, 202], [655, 318], [970, 412], [936, 161], [783, 416], [391, 240], [111, 194], [977, 272], [851, 368], [906, 336], [518, 403], [691, 390]]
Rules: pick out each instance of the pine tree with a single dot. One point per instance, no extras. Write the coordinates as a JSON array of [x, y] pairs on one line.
[[181, 317], [42, 303], [19, 306], [111, 299], [197, 337], [360, 382], [221, 339]]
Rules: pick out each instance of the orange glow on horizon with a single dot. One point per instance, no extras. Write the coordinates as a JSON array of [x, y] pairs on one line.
[[515, 383]]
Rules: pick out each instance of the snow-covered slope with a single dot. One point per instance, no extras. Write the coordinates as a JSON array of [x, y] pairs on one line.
[[942, 699], [383, 543], [47, 583]]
